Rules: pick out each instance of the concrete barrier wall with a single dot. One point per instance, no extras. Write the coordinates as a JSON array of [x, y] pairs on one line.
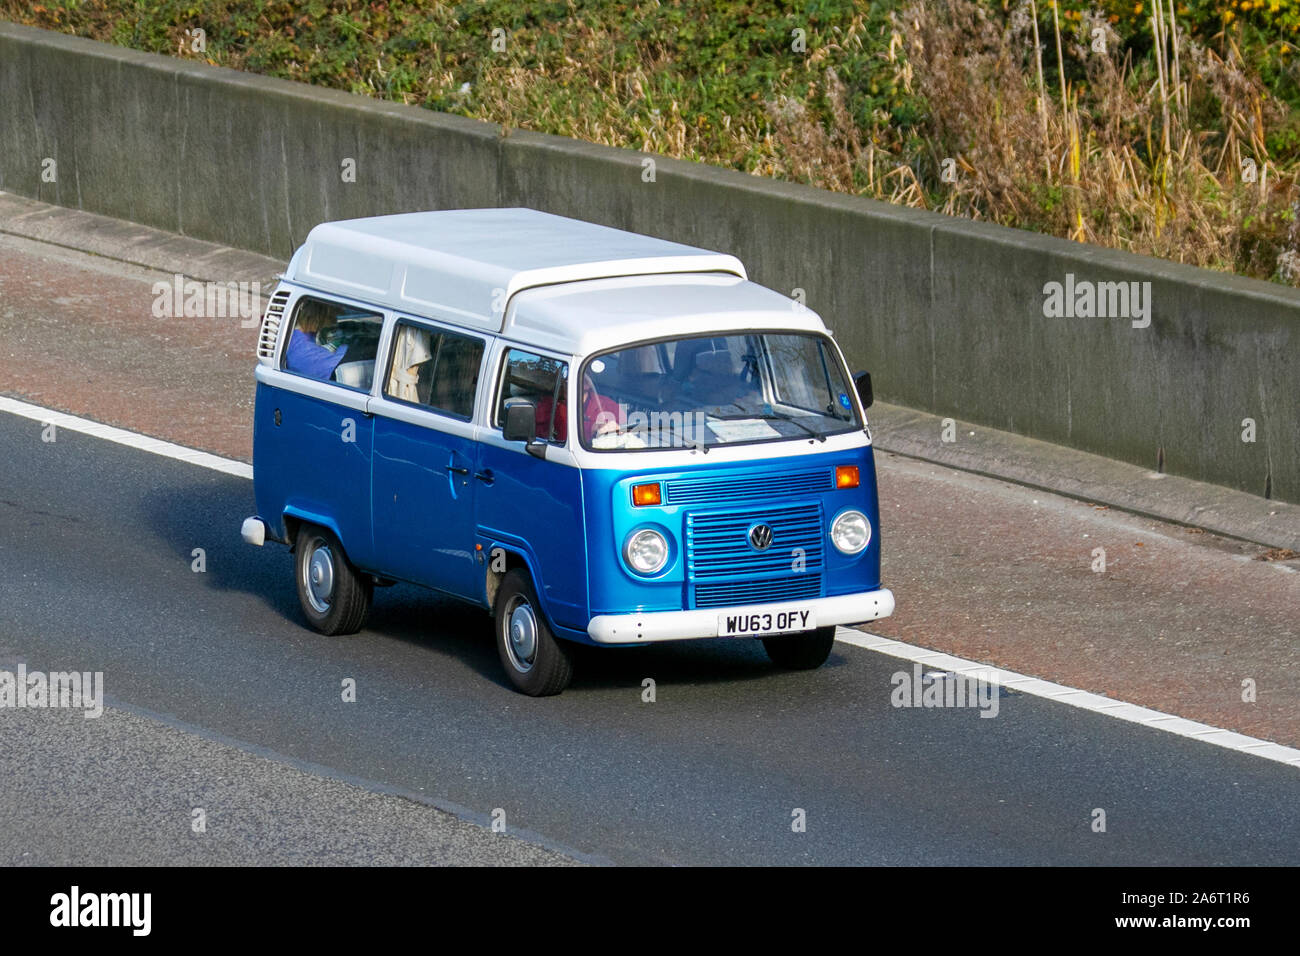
[[947, 314]]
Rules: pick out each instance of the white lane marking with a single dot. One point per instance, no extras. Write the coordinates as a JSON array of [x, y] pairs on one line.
[[123, 437], [939, 661], [1084, 700]]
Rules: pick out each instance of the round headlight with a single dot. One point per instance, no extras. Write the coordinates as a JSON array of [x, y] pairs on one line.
[[851, 531], [645, 551]]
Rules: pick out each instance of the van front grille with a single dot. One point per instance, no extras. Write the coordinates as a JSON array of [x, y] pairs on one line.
[[790, 588], [723, 568], [717, 543], [696, 491]]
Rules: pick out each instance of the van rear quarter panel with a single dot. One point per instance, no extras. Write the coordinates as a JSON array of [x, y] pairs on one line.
[[705, 507], [307, 466]]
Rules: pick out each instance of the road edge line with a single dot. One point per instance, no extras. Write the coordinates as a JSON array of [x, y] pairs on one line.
[[121, 436], [1082, 699]]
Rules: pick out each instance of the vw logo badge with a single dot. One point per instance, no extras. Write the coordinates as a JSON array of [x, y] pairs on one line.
[[760, 537]]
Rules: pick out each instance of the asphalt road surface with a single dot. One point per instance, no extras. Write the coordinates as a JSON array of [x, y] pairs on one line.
[[982, 568], [96, 552]]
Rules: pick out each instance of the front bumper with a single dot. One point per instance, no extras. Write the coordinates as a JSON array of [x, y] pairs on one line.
[[689, 625]]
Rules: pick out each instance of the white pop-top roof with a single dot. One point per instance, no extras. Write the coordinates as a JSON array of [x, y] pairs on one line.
[[467, 264], [580, 318]]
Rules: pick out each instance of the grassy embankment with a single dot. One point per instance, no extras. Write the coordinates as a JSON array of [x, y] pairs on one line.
[[1166, 127]]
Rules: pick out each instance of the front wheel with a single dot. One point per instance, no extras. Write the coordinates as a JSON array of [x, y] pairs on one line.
[[536, 663], [800, 652], [335, 597]]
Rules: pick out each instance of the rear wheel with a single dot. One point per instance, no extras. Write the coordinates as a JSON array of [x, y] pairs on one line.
[[800, 652], [536, 663], [335, 597]]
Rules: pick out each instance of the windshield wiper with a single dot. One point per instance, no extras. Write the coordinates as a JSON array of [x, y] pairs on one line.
[[769, 413], [698, 442]]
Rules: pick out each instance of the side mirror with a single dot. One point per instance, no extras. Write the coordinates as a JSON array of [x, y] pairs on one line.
[[863, 381], [521, 420]]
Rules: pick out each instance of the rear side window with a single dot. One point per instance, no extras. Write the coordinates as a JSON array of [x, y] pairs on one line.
[[333, 342], [541, 380], [434, 368]]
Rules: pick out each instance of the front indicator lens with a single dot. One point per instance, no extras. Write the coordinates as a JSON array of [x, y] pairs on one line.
[[851, 532], [846, 476], [645, 551], [643, 495]]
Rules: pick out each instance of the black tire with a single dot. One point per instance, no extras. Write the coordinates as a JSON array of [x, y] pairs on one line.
[[800, 652], [548, 669], [340, 608]]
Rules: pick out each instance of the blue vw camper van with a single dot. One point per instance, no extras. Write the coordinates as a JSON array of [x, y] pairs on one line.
[[597, 436]]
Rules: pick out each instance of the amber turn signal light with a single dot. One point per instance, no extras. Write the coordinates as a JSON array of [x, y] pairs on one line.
[[846, 476], [649, 494]]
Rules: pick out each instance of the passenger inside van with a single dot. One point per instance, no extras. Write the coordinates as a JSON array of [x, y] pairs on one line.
[[305, 355], [435, 369], [411, 352]]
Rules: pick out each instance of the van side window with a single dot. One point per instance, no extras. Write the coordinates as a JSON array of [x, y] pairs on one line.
[[333, 342], [434, 368], [542, 381]]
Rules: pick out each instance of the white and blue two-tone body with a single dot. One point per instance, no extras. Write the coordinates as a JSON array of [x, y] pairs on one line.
[[745, 501]]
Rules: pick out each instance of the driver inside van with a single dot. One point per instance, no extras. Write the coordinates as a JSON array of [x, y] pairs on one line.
[[599, 414], [305, 354]]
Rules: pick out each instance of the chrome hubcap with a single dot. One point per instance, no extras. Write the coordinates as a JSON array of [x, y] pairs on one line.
[[522, 644], [320, 577]]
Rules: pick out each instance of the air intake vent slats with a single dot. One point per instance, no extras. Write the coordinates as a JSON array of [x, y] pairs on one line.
[[270, 333], [770, 487], [792, 588], [723, 568]]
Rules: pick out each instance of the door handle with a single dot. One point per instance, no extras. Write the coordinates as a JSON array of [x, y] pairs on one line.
[[456, 469], [485, 476]]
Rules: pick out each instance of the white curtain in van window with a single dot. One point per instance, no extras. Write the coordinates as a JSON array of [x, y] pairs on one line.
[[413, 350]]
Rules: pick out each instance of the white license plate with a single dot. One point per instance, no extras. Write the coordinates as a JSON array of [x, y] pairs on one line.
[[758, 621]]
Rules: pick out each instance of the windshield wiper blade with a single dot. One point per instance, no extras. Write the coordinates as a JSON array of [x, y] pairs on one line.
[[698, 442], [820, 436]]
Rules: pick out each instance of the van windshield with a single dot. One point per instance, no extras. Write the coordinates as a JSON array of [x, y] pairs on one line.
[[705, 391]]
